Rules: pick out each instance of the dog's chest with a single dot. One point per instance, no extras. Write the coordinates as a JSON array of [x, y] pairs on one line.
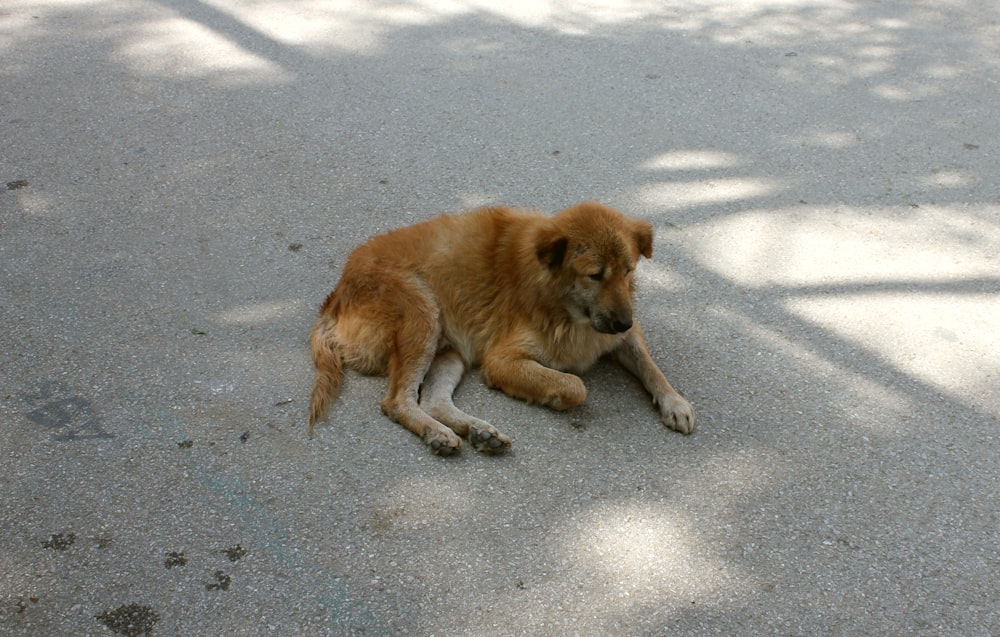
[[576, 347]]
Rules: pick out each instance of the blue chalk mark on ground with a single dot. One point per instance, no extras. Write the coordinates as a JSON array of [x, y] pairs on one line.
[[349, 616]]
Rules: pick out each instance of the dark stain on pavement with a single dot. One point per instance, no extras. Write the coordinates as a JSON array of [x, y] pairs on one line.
[[60, 541], [235, 553], [175, 558], [221, 582], [71, 417], [130, 620]]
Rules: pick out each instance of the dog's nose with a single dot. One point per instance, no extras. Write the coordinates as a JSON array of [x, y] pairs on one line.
[[620, 325]]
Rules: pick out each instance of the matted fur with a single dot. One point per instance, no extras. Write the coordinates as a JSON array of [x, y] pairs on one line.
[[529, 299]]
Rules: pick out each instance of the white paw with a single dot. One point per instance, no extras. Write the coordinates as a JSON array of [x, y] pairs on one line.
[[676, 413]]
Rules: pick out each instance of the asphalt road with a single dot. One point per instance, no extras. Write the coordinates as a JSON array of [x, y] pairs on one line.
[[181, 181]]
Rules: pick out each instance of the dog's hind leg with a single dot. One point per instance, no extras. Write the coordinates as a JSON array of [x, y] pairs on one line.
[[413, 349], [436, 399]]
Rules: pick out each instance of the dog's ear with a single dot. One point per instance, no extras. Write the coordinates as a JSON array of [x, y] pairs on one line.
[[551, 249], [644, 238]]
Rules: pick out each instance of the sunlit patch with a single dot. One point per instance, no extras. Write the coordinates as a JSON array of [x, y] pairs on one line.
[[257, 313], [949, 179], [184, 48], [692, 160], [935, 333], [842, 245], [34, 203], [476, 199], [906, 93], [829, 139], [912, 289], [360, 28], [894, 24], [892, 93], [673, 195], [642, 549], [943, 71]]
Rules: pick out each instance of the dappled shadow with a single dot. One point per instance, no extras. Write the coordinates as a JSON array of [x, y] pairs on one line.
[[822, 178]]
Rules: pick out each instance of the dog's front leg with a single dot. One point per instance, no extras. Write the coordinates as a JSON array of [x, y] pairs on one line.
[[675, 411], [518, 375]]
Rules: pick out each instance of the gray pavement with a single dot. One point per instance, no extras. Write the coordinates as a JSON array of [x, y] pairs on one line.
[[181, 181]]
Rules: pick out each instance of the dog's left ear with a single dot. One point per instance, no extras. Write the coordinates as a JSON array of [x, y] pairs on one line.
[[551, 249], [644, 238]]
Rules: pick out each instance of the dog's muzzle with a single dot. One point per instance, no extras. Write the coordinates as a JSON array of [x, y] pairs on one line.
[[606, 325]]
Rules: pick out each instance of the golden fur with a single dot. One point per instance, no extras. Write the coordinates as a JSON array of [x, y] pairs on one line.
[[529, 299]]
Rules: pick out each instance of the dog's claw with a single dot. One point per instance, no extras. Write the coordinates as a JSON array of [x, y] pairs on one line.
[[677, 414]]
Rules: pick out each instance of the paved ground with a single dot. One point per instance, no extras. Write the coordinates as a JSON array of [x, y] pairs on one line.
[[181, 180]]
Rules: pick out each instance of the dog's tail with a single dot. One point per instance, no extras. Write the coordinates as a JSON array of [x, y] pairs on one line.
[[329, 368]]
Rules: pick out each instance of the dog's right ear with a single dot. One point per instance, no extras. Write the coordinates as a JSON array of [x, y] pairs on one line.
[[644, 237], [551, 249]]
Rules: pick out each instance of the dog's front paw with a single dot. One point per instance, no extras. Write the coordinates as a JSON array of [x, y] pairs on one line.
[[676, 413], [488, 440], [442, 443]]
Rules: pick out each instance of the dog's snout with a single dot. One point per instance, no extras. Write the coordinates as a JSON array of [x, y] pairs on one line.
[[621, 325], [610, 323]]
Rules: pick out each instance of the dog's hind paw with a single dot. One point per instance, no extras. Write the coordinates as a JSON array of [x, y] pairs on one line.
[[488, 440], [441, 443]]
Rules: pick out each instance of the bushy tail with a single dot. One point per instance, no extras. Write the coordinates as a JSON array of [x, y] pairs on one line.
[[329, 369]]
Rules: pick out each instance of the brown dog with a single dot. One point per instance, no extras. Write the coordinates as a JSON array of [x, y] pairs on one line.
[[527, 298]]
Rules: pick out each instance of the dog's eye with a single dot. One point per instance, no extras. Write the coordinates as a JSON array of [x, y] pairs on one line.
[[598, 275]]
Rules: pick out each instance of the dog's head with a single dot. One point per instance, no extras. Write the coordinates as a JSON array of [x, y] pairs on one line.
[[592, 251]]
